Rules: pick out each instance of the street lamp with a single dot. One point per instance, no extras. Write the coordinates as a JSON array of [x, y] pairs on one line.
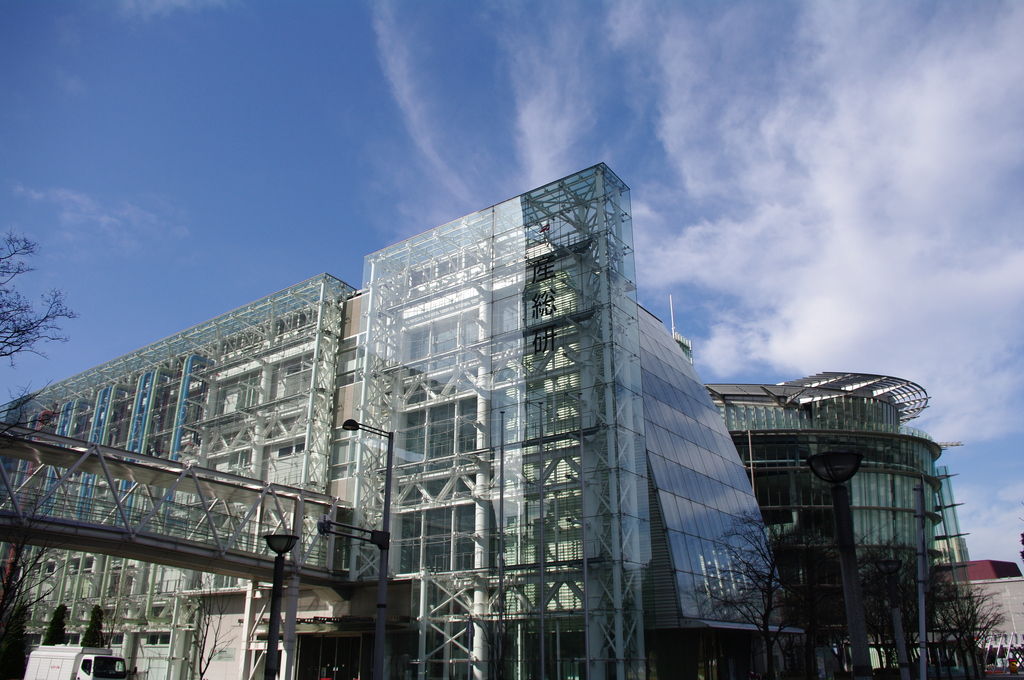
[[836, 467], [890, 568], [383, 544], [280, 544]]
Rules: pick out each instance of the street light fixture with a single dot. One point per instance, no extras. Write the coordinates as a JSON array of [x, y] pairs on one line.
[[891, 568], [280, 544], [836, 467], [382, 540]]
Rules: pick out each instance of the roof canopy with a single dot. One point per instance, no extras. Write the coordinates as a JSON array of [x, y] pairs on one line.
[[908, 397]]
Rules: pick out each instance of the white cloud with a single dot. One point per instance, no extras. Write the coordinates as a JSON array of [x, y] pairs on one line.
[[150, 9], [551, 55], [397, 60], [857, 197], [992, 514], [85, 224], [69, 83]]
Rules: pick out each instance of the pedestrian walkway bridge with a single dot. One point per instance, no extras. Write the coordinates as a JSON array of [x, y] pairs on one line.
[[70, 494]]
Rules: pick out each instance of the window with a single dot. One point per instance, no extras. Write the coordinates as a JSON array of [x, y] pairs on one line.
[[239, 394], [110, 667], [442, 430], [470, 328], [444, 336], [504, 314], [297, 447], [292, 377], [419, 275], [417, 340], [414, 436], [158, 639], [467, 425]]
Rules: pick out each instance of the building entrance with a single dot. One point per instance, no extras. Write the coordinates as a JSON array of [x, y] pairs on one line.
[[323, 657]]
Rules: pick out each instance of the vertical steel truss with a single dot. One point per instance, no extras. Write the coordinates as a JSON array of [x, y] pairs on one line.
[[590, 217], [586, 389]]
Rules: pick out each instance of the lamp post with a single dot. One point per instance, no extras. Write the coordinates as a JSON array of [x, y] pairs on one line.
[[280, 544], [890, 568], [836, 467], [383, 543]]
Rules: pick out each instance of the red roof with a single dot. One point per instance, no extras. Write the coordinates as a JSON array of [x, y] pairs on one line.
[[978, 570]]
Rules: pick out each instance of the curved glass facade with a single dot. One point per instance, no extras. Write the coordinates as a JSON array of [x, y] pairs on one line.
[[882, 491], [776, 427]]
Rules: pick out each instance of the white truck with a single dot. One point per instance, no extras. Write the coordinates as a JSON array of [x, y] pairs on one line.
[[63, 662]]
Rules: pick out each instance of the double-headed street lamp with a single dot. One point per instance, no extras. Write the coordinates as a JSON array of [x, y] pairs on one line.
[[836, 467], [280, 544], [381, 539]]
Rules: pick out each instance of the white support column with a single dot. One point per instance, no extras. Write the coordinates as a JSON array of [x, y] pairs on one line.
[[481, 543], [291, 608], [424, 625], [177, 650], [248, 625], [261, 467], [129, 650]]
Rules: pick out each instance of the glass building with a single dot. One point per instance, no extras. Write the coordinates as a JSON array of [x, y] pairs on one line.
[[563, 484], [776, 427]]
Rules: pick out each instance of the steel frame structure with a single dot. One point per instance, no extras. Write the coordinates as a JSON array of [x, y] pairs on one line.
[[458, 316], [249, 393]]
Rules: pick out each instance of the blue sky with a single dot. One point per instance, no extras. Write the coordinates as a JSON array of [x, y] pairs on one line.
[[820, 186]]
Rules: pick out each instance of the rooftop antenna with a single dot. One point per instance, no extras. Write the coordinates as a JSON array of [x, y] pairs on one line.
[[672, 314], [683, 343]]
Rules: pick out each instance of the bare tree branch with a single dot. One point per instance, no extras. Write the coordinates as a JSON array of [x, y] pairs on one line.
[[23, 580], [210, 634], [23, 325], [964, 614], [749, 585]]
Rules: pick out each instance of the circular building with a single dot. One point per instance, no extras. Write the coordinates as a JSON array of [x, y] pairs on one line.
[[777, 427]]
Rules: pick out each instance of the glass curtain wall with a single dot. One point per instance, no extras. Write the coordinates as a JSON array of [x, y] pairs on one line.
[[502, 349], [777, 427]]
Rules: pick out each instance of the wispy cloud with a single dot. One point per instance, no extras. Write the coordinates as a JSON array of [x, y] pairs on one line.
[[152, 9], [854, 195], [70, 83], [393, 47], [84, 224], [992, 513], [551, 55]]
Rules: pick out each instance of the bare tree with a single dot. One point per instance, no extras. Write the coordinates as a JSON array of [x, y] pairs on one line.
[[808, 568], [23, 579], [749, 586], [210, 634], [878, 603], [23, 325], [963, 614]]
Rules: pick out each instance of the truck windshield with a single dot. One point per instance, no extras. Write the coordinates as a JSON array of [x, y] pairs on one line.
[[109, 667]]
